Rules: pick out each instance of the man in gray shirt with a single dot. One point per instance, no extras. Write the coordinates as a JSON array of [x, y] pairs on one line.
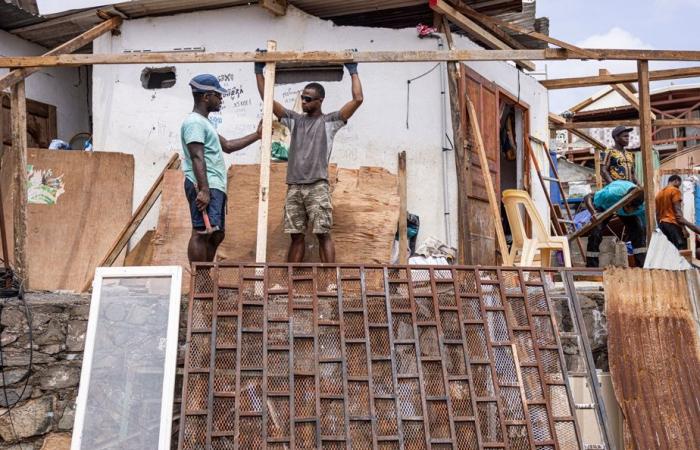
[[308, 193]]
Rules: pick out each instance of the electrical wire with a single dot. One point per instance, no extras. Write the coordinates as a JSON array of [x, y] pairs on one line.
[[408, 90], [28, 317]]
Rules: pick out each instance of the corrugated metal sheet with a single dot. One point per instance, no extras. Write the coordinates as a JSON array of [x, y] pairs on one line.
[[654, 354]]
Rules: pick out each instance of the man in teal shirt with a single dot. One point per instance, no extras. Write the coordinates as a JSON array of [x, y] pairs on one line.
[[631, 216], [204, 167]]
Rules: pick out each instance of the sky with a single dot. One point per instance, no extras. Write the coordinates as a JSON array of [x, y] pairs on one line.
[[637, 24]]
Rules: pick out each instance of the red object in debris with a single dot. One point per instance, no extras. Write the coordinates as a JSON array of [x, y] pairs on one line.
[[425, 30]]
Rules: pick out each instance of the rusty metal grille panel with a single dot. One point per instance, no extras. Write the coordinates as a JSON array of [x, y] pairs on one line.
[[385, 357]]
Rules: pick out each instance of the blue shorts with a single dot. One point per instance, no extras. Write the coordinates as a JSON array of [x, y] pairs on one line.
[[216, 208]]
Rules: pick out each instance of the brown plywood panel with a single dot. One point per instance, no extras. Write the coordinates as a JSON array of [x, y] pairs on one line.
[[654, 353], [365, 216], [66, 239]]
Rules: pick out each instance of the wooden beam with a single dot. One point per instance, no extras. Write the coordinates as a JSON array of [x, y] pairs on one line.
[[475, 30], [590, 100], [136, 218], [265, 149], [493, 29], [655, 75], [492, 23], [462, 154], [488, 181], [276, 7], [625, 93], [647, 149], [659, 123], [403, 213], [338, 57], [595, 220], [18, 113], [74, 44]]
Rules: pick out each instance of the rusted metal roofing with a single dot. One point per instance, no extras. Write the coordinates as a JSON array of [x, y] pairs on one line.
[[654, 354], [52, 30]]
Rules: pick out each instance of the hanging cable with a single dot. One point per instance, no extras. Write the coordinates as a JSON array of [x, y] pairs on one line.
[[408, 90]]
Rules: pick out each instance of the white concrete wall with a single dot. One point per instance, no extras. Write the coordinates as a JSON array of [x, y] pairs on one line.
[[131, 119], [66, 88]]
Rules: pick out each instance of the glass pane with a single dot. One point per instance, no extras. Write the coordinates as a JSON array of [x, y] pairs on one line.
[[126, 382]]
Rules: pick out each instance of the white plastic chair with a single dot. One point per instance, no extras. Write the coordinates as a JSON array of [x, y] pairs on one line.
[[525, 248]]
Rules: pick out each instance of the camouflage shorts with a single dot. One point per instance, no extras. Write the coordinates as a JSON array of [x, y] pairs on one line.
[[308, 203]]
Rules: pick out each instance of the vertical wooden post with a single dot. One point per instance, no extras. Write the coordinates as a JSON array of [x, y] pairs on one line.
[[265, 149], [403, 213], [18, 106], [462, 154], [596, 160], [646, 146], [488, 181]]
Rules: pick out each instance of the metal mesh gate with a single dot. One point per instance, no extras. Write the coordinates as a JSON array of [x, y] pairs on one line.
[[363, 357]]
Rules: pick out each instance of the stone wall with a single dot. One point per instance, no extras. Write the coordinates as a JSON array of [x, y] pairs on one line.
[[43, 417]]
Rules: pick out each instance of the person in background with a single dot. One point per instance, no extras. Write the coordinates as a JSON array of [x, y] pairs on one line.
[[631, 216], [618, 162], [669, 214], [205, 169]]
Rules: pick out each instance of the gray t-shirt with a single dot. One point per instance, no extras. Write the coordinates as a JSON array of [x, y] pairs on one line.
[[311, 145]]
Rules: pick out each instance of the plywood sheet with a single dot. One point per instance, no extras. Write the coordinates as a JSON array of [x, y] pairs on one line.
[[142, 253], [654, 353], [66, 239], [365, 212], [174, 225]]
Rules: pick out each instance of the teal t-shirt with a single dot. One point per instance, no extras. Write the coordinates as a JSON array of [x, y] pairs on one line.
[[197, 128], [613, 193]]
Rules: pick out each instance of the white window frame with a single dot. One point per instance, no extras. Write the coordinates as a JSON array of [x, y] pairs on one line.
[[167, 397]]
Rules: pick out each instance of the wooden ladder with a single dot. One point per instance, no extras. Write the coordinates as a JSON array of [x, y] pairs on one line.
[[560, 225]]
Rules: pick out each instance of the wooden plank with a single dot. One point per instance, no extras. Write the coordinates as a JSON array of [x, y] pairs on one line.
[[462, 159], [265, 149], [475, 30], [403, 213], [493, 201], [645, 141], [493, 29], [590, 100], [659, 123], [493, 23], [340, 57], [19, 151], [625, 93], [598, 218], [142, 253], [655, 75], [276, 7], [69, 233], [137, 217], [74, 44]]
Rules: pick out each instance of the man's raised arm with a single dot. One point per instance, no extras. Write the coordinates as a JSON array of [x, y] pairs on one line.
[[277, 108], [350, 107]]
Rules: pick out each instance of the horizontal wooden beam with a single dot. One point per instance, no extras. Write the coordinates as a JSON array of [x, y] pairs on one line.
[[475, 30], [626, 93], [70, 46], [654, 75], [659, 123], [276, 7], [337, 57], [493, 22]]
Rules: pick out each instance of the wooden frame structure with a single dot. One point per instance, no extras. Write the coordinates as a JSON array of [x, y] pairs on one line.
[[25, 65]]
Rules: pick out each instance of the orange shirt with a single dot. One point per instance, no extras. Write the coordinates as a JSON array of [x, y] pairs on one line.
[[664, 204]]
